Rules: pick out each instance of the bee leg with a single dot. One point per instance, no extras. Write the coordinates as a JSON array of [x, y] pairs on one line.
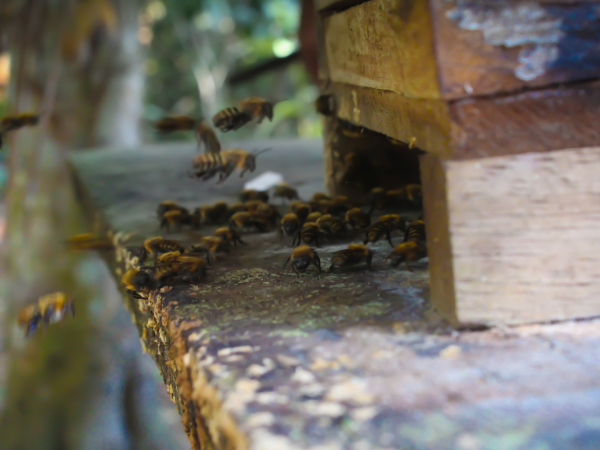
[[389, 237], [286, 263], [295, 270], [317, 262], [408, 267], [369, 259]]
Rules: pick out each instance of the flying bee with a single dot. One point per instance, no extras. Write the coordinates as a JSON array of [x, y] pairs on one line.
[[252, 194], [356, 218], [313, 216], [207, 137], [290, 224], [301, 258], [175, 123], [285, 191], [213, 213], [414, 194], [410, 251], [247, 219], [229, 235], [138, 283], [12, 123], [179, 218], [55, 307], [325, 105], [415, 231], [377, 199], [253, 108], [301, 209], [30, 318], [331, 226], [168, 205], [157, 246], [310, 233], [242, 159], [89, 241], [208, 165], [354, 254]]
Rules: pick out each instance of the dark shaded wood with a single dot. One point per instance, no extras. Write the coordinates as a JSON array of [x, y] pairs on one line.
[[259, 359], [336, 5], [533, 121]]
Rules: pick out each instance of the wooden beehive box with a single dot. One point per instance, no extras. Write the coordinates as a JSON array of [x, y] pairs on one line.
[[503, 100]]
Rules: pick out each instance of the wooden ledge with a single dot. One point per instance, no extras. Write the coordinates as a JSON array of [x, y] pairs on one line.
[[256, 359]]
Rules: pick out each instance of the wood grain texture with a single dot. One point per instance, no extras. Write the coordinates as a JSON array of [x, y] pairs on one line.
[[533, 121], [493, 47], [525, 234], [384, 44], [439, 247]]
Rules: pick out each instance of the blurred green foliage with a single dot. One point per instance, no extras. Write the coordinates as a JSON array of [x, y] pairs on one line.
[[193, 45]]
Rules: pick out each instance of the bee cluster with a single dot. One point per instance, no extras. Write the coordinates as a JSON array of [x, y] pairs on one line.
[[165, 262]]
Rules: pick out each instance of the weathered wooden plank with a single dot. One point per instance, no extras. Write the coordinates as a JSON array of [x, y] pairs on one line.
[[533, 121], [383, 44], [257, 359], [523, 236], [488, 47]]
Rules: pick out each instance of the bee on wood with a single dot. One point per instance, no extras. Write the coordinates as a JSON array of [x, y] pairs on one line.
[[383, 227], [199, 250], [356, 218], [319, 196], [247, 219], [331, 226], [253, 108], [410, 251], [182, 269], [301, 209], [252, 194], [415, 231], [229, 235], [377, 199], [157, 246], [89, 241], [55, 307], [354, 254], [302, 257], [138, 283], [285, 191], [168, 205], [30, 318], [214, 245], [325, 105], [352, 131], [313, 216], [214, 213], [310, 233], [179, 218], [12, 123], [234, 208], [290, 224], [270, 212]]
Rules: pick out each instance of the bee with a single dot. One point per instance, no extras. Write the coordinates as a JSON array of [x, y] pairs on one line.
[[199, 250], [252, 194], [354, 254], [395, 141], [290, 224], [89, 241], [414, 194], [12, 123], [243, 160], [382, 227], [234, 208], [331, 226], [136, 281], [285, 191], [377, 199], [30, 318], [229, 235], [356, 218], [248, 219], [352, 131], [179, 218], [319, 196], [313, 216], [211, 245], [182, 269], [208, 165], [157, 246], [206, 136], [175, 123], [302, 257], [339, 205], [270, 212], [410, 251], [214, 213], [253, 108], [415, 231], [325, 105], [301, 209], [55, 307], [168, 205], [309, 233], [253, 205]]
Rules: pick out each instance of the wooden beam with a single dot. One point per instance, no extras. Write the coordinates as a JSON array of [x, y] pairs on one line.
[[533, 121], [383, 44], [517, 238]]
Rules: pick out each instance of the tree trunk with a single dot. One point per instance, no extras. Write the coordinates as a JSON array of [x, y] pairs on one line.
[[83, 385]]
